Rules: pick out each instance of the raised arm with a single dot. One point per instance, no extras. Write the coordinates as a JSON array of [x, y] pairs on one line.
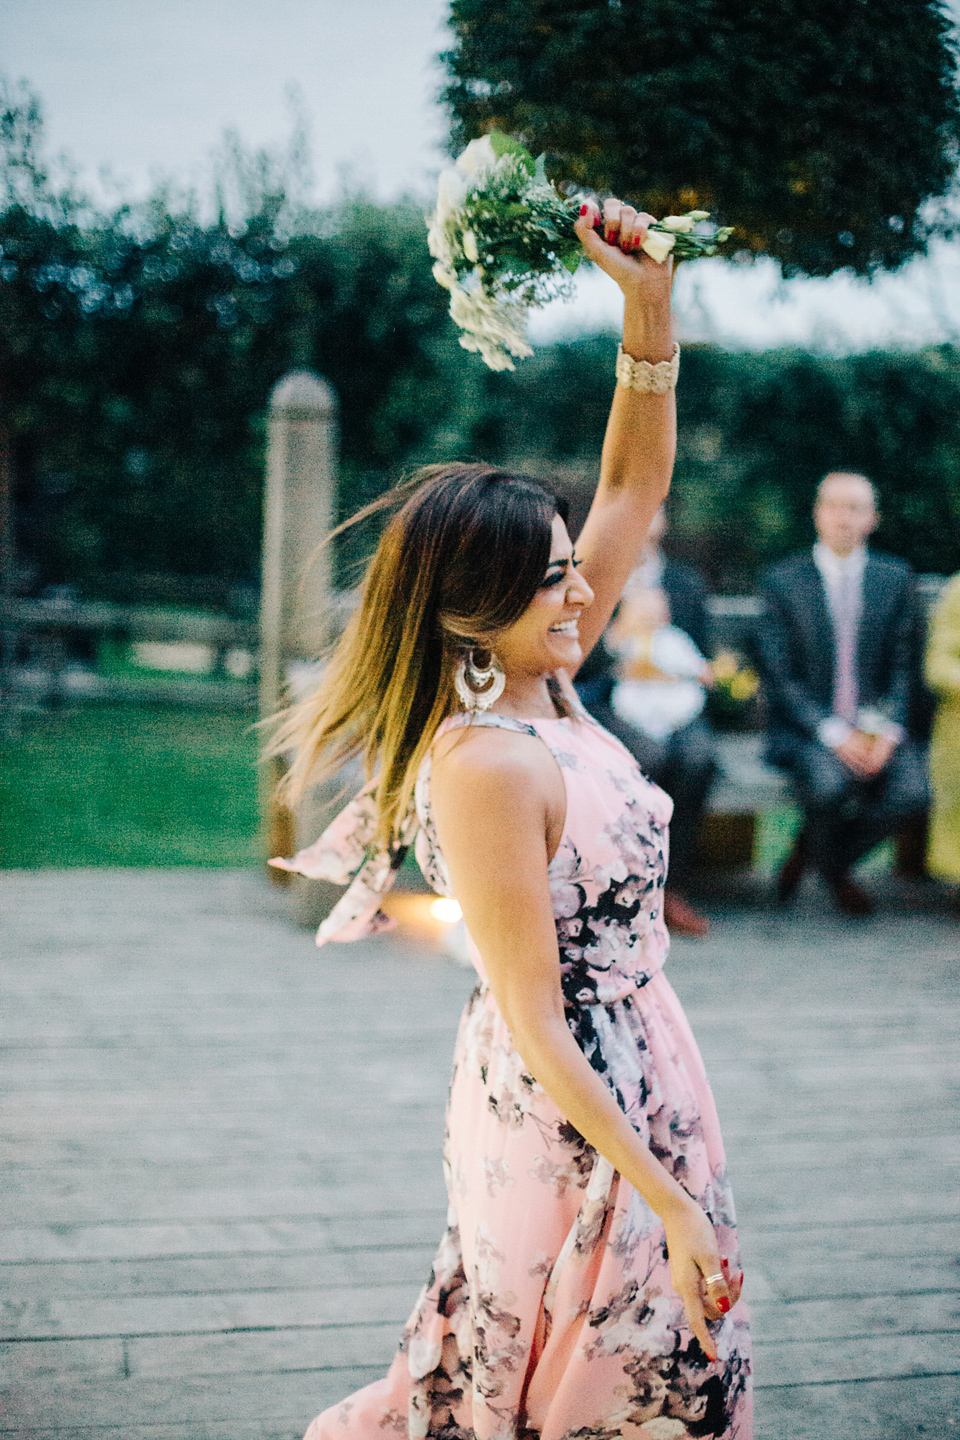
[[639, 446], [496, 799]]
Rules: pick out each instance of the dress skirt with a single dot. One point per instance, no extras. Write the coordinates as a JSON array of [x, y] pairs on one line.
[[549, 1311]]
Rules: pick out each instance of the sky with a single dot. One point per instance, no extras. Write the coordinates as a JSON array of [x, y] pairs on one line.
[[146, 88]]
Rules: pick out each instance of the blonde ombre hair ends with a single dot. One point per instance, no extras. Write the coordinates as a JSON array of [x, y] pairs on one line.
[[460, 560]]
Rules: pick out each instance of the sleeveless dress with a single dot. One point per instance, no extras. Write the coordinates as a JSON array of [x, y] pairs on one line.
[[549, 1311]]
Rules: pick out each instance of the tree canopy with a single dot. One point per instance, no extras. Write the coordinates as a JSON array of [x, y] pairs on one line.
[[822, 131]]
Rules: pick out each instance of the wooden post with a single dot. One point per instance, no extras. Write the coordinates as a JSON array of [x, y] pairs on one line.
[[7, 562], [9, 714], [296, 599]]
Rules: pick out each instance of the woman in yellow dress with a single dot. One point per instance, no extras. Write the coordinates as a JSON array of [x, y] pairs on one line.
[[943, 677]]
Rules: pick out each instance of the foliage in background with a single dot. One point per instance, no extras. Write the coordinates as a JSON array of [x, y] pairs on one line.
[[819, 130], [756, 433], [138, 350]]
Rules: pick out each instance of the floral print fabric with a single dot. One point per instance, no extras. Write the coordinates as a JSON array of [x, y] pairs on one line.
[[549, 1311], [347, 854]]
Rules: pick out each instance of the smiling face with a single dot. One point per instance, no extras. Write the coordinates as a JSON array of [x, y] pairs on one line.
[[545, 637]]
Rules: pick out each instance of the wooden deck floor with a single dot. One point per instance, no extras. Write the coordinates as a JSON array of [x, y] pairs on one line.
[[222, 1186]]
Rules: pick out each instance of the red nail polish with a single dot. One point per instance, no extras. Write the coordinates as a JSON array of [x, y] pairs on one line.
[[723, 1305], [583, 209]]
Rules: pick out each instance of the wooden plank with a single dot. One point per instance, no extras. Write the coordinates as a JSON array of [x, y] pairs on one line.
[[867, 1315], [222, 1273], [197, 1201], [120, 1239], [51, 1316], [36, 1360], [878, 1410], [338, 1347], [294, 1396], [861, 1242]]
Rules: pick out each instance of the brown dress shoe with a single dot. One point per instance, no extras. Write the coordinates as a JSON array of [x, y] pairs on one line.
[[681, 917], [849, 898], [792, 870]]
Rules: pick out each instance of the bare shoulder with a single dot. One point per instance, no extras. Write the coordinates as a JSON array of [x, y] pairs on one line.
[[485, 764], [498, 800]]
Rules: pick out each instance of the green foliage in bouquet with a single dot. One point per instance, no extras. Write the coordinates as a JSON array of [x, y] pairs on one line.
[[511, 222]]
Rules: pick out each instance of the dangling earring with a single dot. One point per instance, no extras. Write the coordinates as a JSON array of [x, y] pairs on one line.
[[478, 686]]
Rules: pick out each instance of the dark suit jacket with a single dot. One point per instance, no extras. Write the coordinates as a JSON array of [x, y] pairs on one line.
[[686, 592], [795, 652]]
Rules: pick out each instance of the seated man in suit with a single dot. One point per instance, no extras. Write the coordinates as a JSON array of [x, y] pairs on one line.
[[683, 759], [835, 649]]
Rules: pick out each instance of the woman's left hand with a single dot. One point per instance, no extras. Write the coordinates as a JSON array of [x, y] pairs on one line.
[[615, 248]]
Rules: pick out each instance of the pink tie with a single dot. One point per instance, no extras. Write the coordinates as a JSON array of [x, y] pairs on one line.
[[846, 623]]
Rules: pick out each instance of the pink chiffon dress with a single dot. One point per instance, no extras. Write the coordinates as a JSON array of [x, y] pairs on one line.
[[549, 1311]]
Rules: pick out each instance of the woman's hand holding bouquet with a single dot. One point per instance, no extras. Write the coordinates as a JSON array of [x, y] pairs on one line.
[[613, 238], [506, 241]]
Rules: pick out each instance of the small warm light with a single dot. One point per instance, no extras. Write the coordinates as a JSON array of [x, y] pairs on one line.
[[446, 910]]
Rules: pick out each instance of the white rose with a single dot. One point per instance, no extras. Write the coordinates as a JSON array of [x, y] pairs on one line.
[[658, 246], [443, 276], [451, 193], [681, 223], [470, 247], [477, 156], [699, 214]]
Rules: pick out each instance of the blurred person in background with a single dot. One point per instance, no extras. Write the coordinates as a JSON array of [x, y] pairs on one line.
[[681, 757], [943, 678], [835, 646], [661, 676]]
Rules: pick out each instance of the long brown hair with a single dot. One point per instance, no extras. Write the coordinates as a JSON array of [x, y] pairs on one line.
[[461, 559]]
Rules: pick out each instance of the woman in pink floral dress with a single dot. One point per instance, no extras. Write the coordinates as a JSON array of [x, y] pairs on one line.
[[588, 1283]]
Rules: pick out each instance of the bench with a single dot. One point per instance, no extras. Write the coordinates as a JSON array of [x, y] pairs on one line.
[[745, 787]]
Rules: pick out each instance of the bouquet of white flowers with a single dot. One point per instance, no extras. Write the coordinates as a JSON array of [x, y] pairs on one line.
[[503, 240]]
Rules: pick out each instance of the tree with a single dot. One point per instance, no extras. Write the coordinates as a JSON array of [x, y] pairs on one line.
[[821, 130], [138, 349]]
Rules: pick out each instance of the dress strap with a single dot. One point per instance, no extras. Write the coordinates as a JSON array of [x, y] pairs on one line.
[[489, 718]]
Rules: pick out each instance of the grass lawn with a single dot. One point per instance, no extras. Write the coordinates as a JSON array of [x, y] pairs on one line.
[[116, 785], [159, 785], [775, 834], [774, 837]]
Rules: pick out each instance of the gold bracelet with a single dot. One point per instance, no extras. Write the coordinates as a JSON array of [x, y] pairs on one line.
[[641, 375]]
